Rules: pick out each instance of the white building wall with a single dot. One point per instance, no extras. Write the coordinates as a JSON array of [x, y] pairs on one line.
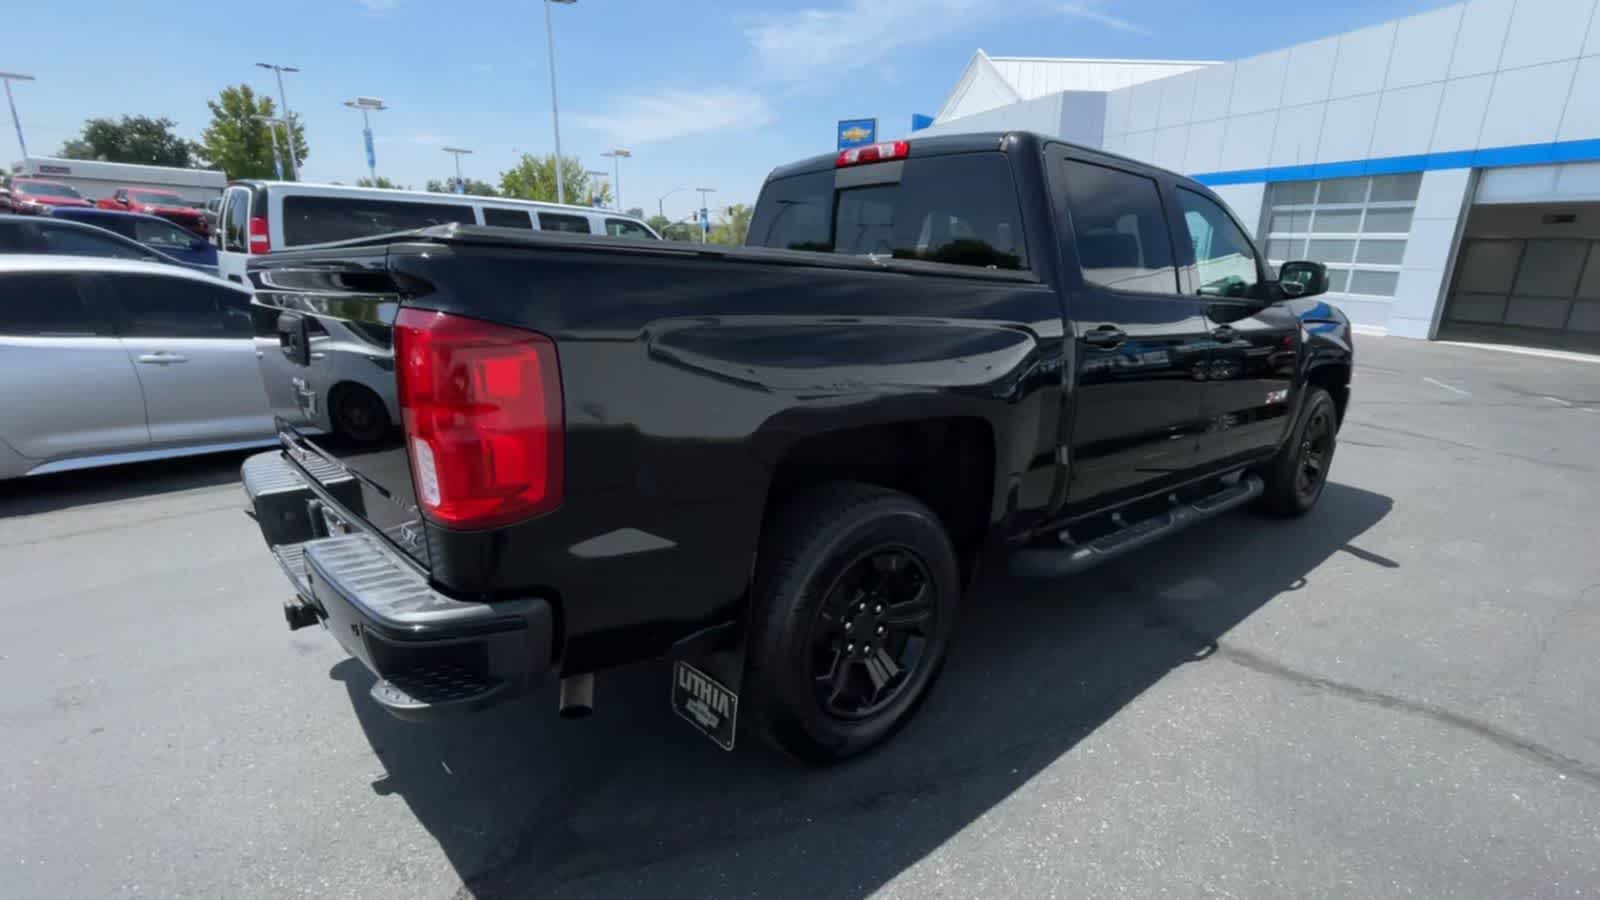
[[1430, 252]]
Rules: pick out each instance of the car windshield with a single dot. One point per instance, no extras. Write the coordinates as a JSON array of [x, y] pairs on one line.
[[156, 199], [46, 189]]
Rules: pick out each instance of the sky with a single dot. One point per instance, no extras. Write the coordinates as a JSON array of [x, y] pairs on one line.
[[704, 94]]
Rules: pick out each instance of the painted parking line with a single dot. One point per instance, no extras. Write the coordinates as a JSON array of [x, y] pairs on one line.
[[1451, 388]]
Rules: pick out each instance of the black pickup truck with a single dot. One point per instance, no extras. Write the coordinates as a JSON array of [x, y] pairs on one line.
[[778, 466]]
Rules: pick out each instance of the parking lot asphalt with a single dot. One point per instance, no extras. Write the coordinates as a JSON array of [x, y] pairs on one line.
[[1392, 697]]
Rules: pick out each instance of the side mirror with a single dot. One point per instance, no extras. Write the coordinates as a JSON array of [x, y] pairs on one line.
[[1303, 278]]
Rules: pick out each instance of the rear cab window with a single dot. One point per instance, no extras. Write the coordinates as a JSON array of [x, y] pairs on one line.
[[960, 209], [319, 220]]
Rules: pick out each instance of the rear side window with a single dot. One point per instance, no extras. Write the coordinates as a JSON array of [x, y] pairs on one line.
[[507, 218], [560, 222], [959, 209], [319, 220], [1120, 229], [625, 229], [180, 307], [46, 304]]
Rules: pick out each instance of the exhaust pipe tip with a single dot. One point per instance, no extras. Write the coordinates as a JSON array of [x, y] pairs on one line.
[[577, 696]]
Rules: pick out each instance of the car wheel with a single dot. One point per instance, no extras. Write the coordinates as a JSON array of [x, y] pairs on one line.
[[1296, 476], [357, 414], [856, 589]]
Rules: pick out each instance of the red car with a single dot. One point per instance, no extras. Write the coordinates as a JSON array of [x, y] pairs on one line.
[[168, 205], [31, 195]]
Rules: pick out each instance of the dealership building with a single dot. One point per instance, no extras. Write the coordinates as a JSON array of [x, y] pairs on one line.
[[1445, 166]]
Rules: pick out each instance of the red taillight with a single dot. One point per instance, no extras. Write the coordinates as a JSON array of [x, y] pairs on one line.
[[481, 404], [855, 156], [259, 241]]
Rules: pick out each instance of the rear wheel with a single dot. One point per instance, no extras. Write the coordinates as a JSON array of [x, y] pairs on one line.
[[357, 414], [1296, 476], [856, 590]]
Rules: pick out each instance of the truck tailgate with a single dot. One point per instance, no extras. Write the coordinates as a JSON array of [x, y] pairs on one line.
[[324, 343]]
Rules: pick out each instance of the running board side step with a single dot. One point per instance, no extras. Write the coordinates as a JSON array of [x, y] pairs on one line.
[[1042, 562]]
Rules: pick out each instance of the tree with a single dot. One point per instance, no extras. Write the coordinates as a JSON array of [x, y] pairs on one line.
[[673, 231], [238, 143], [379, 182], [132, 139], [733, 227], [475, 188], [636, 211], [533, 178]]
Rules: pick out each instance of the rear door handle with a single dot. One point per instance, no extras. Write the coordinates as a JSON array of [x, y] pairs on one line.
[[1105, 336], [162, 358]]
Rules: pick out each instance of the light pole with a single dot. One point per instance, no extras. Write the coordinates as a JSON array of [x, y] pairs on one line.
[[461, 186], [272, 131], [661, 209], [366, 105], [9, 77], [705, 217], [555, 114], [283, 101], [617, 155], [595, 174]]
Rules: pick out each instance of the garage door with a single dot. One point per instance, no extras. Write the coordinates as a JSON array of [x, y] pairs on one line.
[[1542, 292]]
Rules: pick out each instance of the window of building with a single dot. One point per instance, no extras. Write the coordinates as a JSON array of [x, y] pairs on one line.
[[1120, 229], [1357, 226], [561, 222]]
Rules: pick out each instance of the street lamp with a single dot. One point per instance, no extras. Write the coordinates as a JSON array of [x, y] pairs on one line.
[[283, 101], [272, 123], [555, 114], [617, 156], [661, 209], [9, 77], [461, 186], [705, 217], [595, 174], [368, 105]]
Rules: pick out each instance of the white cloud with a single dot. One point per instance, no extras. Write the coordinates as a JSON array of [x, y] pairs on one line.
[[796, 46], [673, 113], [1090, 11]]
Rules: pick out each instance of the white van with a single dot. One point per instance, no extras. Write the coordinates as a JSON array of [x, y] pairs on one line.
[[263, 216]]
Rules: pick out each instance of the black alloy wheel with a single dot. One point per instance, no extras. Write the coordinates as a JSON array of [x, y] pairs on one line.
[[871, 632], [1316, 448]]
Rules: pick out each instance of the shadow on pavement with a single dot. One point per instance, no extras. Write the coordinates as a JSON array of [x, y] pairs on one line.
[[632, 803], [64, 490]]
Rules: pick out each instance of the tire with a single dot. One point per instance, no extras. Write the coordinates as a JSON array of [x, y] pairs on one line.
[[1297, 474], [357, 415], [827, 559]]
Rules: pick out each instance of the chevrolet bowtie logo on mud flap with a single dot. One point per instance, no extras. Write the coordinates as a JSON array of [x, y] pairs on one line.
[[711, 708]]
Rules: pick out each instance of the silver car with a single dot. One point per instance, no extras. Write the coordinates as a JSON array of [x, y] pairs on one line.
[[109, 361]]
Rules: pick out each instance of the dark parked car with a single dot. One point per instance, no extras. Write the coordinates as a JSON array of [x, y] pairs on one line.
[[779, 465], [55, 236], [158, 234]]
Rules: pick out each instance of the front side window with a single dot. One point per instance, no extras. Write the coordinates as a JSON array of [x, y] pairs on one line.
[[626, 229], [560, 222], [320, 220], [1119, 227], [45, 304], [158, 199], [161, 307], [1225, 263], [161, 235]]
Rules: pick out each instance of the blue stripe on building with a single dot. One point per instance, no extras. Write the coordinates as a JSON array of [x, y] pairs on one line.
[[1482, 158]]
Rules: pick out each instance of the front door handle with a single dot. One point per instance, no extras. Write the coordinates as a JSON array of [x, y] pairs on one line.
[[236, 279], [162, 358], [1225, 333], [1105, 336]]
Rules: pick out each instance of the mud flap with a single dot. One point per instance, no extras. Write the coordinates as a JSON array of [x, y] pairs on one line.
[[707, 673]]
